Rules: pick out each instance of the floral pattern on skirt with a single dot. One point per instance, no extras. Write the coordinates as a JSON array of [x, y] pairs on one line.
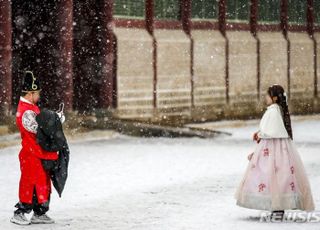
[[275, 178]]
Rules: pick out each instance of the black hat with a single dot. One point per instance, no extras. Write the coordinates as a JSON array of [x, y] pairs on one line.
[[30, 83]]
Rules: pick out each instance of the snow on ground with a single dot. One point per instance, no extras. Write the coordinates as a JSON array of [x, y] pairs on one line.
[[159, 184]]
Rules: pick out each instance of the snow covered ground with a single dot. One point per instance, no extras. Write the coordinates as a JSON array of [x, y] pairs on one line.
[[159, 184]]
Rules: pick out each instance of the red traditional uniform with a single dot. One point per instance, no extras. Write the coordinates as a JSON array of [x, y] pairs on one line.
[[33, 175]]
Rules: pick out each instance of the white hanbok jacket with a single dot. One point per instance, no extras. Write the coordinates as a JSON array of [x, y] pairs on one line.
[[271, 124]]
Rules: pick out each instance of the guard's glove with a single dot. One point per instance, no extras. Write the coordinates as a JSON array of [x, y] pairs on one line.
[[61, 116]]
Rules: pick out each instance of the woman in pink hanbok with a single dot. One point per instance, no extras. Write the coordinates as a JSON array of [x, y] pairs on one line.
[[275, 179]]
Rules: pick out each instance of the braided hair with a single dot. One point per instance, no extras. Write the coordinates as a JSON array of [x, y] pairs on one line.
[[278, 91]]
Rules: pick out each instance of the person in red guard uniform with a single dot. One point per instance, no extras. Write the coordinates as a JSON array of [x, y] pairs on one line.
[[35, 184]]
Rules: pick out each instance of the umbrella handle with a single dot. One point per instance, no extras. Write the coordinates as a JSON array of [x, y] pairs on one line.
[[61, 107]]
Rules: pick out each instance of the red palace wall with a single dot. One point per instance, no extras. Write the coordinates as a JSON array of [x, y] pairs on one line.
[[158, 70]]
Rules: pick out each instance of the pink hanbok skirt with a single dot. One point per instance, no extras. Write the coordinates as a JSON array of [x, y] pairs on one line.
[[275, 179]]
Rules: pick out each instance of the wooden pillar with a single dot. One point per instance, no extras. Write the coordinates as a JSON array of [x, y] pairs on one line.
[[108, 87], [149, 17], [185, 6], [284, 16], [253, 29], [253, 16], [284, 26], [310, 17], [185, 9], [222, 16], [222, 28], [65, 44], [310, 28], [5, 58]]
